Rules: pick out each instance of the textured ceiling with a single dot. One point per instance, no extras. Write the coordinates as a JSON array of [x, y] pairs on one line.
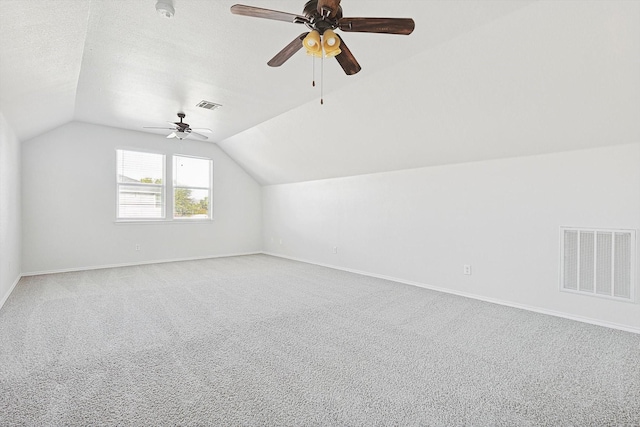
[[476, 79], [117, 63]]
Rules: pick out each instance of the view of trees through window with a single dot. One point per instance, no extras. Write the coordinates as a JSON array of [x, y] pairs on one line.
[[187, 206], [191, 187], [151, 181]]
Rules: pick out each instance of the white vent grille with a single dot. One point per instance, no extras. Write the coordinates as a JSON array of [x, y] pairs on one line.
[[598, 262], [208, 105]]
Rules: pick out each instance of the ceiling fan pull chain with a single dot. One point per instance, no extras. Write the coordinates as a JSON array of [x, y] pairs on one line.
[[313, 71], [322, 80]]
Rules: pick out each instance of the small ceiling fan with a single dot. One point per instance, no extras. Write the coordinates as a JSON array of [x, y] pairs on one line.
[[182, 130], [322, 17]]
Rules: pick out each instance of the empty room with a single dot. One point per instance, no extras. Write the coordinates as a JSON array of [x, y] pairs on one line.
[[319, 213]]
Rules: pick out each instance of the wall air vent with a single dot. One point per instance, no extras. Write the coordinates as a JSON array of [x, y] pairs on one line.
[[598, 262], [208, 105]]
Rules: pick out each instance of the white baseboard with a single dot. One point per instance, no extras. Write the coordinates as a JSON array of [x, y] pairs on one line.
[[133, 264], [350, 270], [4, 298], [540, 310]]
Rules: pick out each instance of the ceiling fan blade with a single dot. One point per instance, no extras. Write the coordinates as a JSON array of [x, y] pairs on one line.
[[172, 135], [197, 135], [328, 7], [154, 127], [207, 130], [378, 25], [346, 59], [289, 50], [258, 12]]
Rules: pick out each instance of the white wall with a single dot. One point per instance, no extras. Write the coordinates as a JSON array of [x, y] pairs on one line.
[[500, 216], [10, 237], [69, 195]]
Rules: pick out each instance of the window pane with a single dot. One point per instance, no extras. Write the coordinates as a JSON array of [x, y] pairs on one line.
[[140, 185], [134, 166], [140, 201], [191, 203], [191, 172]]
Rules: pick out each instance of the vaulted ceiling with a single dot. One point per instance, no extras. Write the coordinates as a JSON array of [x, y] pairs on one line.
[[476, 80]]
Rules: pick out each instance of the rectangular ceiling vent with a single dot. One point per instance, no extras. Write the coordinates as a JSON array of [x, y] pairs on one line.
[[208, 105], [598, 262]]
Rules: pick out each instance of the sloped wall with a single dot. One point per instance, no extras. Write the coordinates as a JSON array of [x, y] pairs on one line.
[[502, 217], [497, 92], [10, 223], [69, 196]]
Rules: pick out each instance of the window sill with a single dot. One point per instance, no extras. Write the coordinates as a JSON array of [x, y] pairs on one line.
[[162, 221]]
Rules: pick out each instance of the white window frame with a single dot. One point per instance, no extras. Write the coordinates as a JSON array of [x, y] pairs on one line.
[[174, 187], [168, 190]]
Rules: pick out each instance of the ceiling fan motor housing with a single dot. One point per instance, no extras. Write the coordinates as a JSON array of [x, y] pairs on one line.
[[319, 22], [180, 124]]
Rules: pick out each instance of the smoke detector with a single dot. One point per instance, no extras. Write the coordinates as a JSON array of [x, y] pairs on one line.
[[165, 8]]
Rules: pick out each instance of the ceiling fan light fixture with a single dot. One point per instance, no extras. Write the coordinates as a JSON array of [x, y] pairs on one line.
[[312, 43], [181, 135], [331, 44], [165, 8]]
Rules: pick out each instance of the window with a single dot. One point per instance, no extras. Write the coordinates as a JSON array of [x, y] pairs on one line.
[[142, 193], [140, 185], [191, 187]]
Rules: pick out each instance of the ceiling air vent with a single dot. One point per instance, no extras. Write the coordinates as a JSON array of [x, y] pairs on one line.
[[208, 105]]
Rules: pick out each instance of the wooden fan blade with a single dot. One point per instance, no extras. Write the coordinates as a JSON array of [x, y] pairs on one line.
[[154, 127], [258, 12], [330, 6], [346, 59], [378, 25], [172, 135], [198, 135], [289, 50], [206, 130]]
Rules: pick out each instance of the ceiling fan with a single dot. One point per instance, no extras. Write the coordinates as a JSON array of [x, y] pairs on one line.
[[322, 17], [182, 130]]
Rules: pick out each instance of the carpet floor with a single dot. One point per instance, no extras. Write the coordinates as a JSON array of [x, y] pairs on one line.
[[262, 341]]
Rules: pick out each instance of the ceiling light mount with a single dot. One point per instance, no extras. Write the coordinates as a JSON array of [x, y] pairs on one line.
[[165, 8]]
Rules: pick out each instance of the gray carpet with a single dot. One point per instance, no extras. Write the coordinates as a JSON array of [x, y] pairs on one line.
[[258, 340]]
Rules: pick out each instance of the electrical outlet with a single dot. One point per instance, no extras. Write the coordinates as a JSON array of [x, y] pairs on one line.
[[335, 249], [467, 270], [137, 246]]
